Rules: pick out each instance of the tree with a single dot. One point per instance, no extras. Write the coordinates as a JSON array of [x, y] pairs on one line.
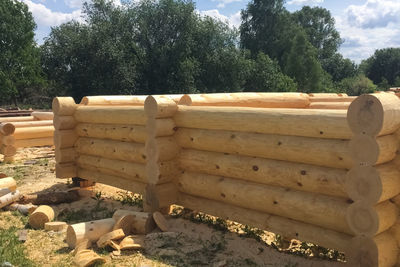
[[355, 86], [384, 64], [20, 72], [319, 26], [339, 67]]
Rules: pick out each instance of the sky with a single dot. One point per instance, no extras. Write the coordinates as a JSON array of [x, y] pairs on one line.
[[364, 25]]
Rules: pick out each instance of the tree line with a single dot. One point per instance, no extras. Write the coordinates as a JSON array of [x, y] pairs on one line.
[[166, 47]]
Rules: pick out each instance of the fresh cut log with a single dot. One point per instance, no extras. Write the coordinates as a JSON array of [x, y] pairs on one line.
[[63, 106], [329, 105], [122, 132], [23, 124], [92, 231], [111, 115], [64, 122], [9, 198], [159, 107], [40, 216], [33, 132], [7, 128], [65, 138], [15, 119]]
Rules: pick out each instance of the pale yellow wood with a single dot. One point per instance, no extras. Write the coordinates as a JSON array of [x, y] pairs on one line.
[[91, 231], [86, 258], [7, 128], [64, 122], [329, 105], [143, 221], [364, 219], [64, 106], [33, 132], [264, 100], [298, 122], [303, 177], [8, 151], [111, 115], [133, 152], [64, 138], [328, 97], [66, 170], [279, 225], [123, 132], [132, 242], [107, 237], [7, 140], [160, 127], [9, 198], [64, 155], [8, 182], [42, 115], [16, 119], [40, 216], [43, 141], [159, 107], [55, 226], [114, 100], [125, 223], [375, 114], [325, 211], [22, 124], [161, 149]]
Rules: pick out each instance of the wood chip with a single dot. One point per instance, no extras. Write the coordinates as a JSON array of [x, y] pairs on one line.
[[125, 223], [55, 226], [132, 242]]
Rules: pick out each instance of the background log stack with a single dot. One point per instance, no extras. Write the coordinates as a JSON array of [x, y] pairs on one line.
[[25, 131]]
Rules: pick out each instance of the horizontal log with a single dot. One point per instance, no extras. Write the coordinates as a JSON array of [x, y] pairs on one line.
[[257, 100], [325, 211], [160, 127], [64, 155], [64, 122], [125, 184], [63, 106], [44, 141], [66, 170], [124, 132], [298, 122], [121, 100], [9, 198], [280, 225], [329, 105], [161, 149], [91, 231], [43, 115], [111, 115], [375, 114], [40, 216], [303, 177], [15, 119], [7, 140], [7, 128], [328, 97], [65, 138], [23, 124], [133, 152], [33, 132], [120, 168], [159, 107]]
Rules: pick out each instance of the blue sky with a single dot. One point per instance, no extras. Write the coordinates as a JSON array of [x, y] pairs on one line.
[[365, 25]]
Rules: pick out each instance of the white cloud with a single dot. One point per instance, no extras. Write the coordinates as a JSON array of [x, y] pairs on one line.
[[233, 20], [305, 2], [79, 3], [223, 3]]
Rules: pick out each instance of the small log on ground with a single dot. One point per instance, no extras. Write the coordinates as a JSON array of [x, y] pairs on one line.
[[132, 242], [9, 198], [8, 182], [105, 239], [55, 226], [40, 216], [52, 198], [87, 257], [24, 209], [92, 231], [143, 222]]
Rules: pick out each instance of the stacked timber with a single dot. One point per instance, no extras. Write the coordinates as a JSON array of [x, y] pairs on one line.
[[330, 101], [7, 147]]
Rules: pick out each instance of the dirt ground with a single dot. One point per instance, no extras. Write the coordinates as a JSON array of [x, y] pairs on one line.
[[194, 239]]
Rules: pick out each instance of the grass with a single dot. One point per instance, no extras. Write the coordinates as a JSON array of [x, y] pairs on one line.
[[12, 250]]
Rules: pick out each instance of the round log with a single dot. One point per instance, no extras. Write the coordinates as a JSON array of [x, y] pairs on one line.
[[65, 138], [135, 133], [8, 151], [303, 177], [43, 115], [298, 122], [316, 209], [376, 114], [329, 105], [9, 198], [143, 222], [40, 216], [43, 141], [7, 140], [159, 107], [91, 231], [161, 149], [84, 244], [132, 242], [7, 128], [107, 237], [16, 119], [64, 106], [55, 226], [8, 182], [23, 124], [64, 155], [111, 115], [64, 122], [368, 220], [322, 152], [279, 225], [373, 184], [257, 100], [160, 127], [125, 223], [111, 149], [114, 100], [66, 170], [33, 132]]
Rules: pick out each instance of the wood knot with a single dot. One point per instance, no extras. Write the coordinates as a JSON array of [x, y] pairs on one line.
[[321, 132], [279, 143], [275, 202], [299, 184], [216, 166], [255, 168], [303, 172], [350, 201], [223, 195]]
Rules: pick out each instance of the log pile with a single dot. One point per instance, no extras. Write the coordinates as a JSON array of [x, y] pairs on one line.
[[25, 131]]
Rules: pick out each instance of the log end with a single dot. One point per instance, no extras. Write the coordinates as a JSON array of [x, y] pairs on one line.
[[40, 216], [362, 219], [7, 128], [363, 183], [63, 106], [185, 100], [362, 251]]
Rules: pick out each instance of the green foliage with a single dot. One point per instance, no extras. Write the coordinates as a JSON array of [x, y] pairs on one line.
[[339, 67], [357, 85], [12, 250], [384, 64]]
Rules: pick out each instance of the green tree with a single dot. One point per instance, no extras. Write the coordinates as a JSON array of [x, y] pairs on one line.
[[384, 64], [357, 85], [20, 72], [339, 67]]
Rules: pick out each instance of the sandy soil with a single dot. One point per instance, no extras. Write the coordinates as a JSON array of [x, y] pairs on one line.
[[189, 242]]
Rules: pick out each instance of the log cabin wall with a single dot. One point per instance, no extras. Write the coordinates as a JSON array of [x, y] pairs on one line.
[[328, 176]]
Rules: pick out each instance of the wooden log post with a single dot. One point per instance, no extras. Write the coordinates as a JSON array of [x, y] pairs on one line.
[[367, 183], [160, 148]]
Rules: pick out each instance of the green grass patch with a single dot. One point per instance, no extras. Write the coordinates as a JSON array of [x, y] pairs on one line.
[[12, 250]]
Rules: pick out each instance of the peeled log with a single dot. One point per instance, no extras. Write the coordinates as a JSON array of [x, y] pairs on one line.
[[107, 237], [373, 184], [160, 127], [33, 132], [129, 185], [64, 122], [8, 182], [124, 132], [375, 114], [256, 100], [92, 231], [111, 115], [44, 141], [64, 155], [9, 198], [111, 149], [303, 177], [64, 106], [15, 119], [324, 211], [329, 105], [143, 223], [7, 140], [43, 115], [65, 138], [280, 225], [8, 151], [159, 107], [298, 122], [114, 100], [22, 124], [66, 170], [380, 251], [316, 151], [161, 172], [161, 149], [327, 97], [7, 128], [40, 216], [368, 220], [125, 169]]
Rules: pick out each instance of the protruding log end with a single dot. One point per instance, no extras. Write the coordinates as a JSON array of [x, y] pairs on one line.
[[64, 122], [66, 170], [363, 183], [7, 128], [362, 251], [8, 151], [185, 100], [161, 149], [63, 106], [362, 219], [159, 107]]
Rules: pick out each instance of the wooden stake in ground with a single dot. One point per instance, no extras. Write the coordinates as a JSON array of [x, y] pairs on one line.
[[40, 216]]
